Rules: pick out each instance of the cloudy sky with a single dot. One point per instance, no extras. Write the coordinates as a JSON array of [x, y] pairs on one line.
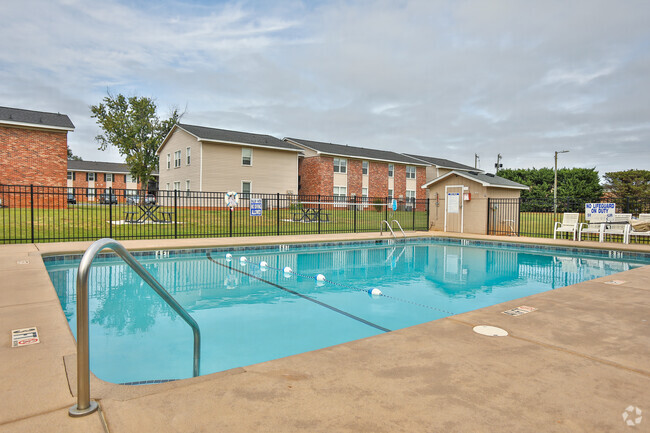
[[442, 78]]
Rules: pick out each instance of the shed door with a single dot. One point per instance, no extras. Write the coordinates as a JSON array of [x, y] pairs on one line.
[[454, 208]]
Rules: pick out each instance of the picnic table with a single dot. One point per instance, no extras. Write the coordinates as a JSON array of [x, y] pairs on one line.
[[148, 211], [309, 215]]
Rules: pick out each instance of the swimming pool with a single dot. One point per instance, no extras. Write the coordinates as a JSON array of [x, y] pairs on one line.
[[249, 314]]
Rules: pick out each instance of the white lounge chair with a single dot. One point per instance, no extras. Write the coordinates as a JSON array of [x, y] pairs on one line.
[[594, 226], [569, 224], [618, 229], [631, 232]]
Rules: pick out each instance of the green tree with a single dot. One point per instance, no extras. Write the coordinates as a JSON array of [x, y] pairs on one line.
[[132, 125], [72, 156], [571, 182], [629, 183]]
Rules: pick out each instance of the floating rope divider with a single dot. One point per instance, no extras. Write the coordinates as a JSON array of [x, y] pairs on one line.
[[334, 283]]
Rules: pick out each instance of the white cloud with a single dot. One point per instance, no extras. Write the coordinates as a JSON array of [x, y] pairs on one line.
[[442, 78]]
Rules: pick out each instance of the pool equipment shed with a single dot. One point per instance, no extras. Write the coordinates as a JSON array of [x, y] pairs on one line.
[[459, 201]]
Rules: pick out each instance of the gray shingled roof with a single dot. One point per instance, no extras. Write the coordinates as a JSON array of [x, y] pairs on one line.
[[99, 167], [357, 152], [440, 162], [39, 118], [214, 134], [487, 179]]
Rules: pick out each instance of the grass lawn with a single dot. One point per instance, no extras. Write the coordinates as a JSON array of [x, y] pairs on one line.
[[88, 222]]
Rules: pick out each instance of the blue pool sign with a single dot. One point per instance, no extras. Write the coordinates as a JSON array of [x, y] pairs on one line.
[[602, 211], [394, 204], [256, 207]]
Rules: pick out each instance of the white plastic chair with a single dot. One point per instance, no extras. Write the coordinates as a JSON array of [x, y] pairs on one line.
[[594, 226], [569, 224], [631, 232], [618, 229]]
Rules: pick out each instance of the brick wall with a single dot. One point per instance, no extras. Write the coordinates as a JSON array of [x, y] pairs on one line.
[[316, 175], [81, 185], [400, 181], [30, 156], [420, 193], [355, 177], [377, 179]]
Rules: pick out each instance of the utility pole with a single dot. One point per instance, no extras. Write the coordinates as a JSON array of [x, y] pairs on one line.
[[498, 165], [555, 185], [476, 160]]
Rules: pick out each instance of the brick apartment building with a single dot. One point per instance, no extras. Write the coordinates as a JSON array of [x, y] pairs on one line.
[[33, 147], [333, 169], [88, 180]]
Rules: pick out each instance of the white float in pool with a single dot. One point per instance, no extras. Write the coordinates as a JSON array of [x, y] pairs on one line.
[[287, 270], [243, 259], [375, 292], [228, 256], [320, 277], [490, 331], [263, 264]]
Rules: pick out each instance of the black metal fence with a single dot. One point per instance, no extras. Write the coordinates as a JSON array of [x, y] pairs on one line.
[[53, 214], [535, 217]]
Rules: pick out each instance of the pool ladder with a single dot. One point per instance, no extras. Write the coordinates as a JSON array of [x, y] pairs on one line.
[[381, 229], [85, 405]]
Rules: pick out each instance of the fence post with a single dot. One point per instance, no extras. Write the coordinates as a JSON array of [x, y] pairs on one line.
[[175, 213], [428, 224], [489, 210], [319, 218], [354, 213], [277, 202], [31, 203], [386, 210], [413, 210], [110, 212], [519, 216]]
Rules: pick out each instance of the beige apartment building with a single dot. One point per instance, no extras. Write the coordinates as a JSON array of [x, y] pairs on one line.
[[197, 158]]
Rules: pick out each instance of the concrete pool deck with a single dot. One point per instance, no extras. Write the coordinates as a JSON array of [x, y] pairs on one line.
[[573, 365]]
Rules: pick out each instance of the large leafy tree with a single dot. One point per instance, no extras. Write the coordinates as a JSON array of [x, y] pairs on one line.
[[132, 125], [571, 182], [629, 183]]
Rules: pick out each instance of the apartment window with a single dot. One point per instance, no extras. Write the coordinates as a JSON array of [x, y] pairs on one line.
[[167, 185], [90, 177], [246, 156], [188, 153], [177, 159], [177, 186], [340, 193], [340, 165], [245, 189], [410, 196], [108, 177], [364, 195], [390, 193], [364, 167], [71, 175], [169, 161], [128, 178], [90, 193], [391, 170], [70, 190], [410, 172]]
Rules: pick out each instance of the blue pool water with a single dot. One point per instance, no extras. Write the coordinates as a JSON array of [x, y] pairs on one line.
[[249, 315]]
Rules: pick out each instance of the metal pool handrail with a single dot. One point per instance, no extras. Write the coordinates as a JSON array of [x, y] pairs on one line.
[[381, 229], [84, 405], [400, 227]]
